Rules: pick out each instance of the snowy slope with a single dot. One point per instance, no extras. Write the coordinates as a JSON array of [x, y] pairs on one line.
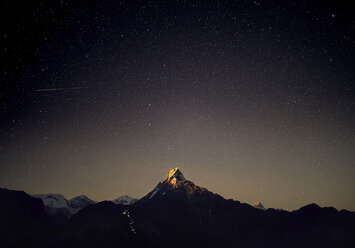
[[53, 202], [56, 204], [79, 202], [124, 200], [175, 182]]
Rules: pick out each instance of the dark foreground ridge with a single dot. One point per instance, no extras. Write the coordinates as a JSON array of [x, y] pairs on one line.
[[176, 213]]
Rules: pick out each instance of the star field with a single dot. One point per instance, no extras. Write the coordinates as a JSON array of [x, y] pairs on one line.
[[253, 100]]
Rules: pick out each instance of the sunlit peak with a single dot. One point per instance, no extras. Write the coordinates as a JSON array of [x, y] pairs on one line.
[[172, 172], [175, 176]]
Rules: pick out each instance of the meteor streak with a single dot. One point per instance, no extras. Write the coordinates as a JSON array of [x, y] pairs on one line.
[[61, 89]]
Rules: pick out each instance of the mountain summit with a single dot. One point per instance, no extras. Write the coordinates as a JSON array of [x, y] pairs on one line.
[[177, 213], [79, 202], [175, 177], [61, 209], [175, 183]]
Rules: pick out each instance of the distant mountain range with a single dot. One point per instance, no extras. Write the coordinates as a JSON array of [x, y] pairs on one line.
[[60, 209], [176, 213]]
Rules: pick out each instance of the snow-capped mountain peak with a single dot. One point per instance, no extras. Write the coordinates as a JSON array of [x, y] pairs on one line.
[[124, 200], [175, 177], [176, 173], [79, 202], [80, 197], [175, 182], [58, 205], [53, 201]]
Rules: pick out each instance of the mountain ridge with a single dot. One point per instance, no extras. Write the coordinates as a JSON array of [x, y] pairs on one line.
[[178, 213], [124, 200]]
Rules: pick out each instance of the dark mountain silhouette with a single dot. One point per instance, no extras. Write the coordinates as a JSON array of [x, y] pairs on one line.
[[21, 217], [178, 213], [195, 216]]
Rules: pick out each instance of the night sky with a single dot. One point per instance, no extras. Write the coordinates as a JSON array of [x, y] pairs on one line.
[[254, 100]]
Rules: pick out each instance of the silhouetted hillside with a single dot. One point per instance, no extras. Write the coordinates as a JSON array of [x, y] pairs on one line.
[[21, 218], [177, 213]]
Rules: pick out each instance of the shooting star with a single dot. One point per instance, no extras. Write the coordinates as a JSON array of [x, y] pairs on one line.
[[60, 89]]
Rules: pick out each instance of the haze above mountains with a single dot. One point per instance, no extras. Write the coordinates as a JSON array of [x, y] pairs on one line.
[[57, 204], [60, 208], [176, 213]]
